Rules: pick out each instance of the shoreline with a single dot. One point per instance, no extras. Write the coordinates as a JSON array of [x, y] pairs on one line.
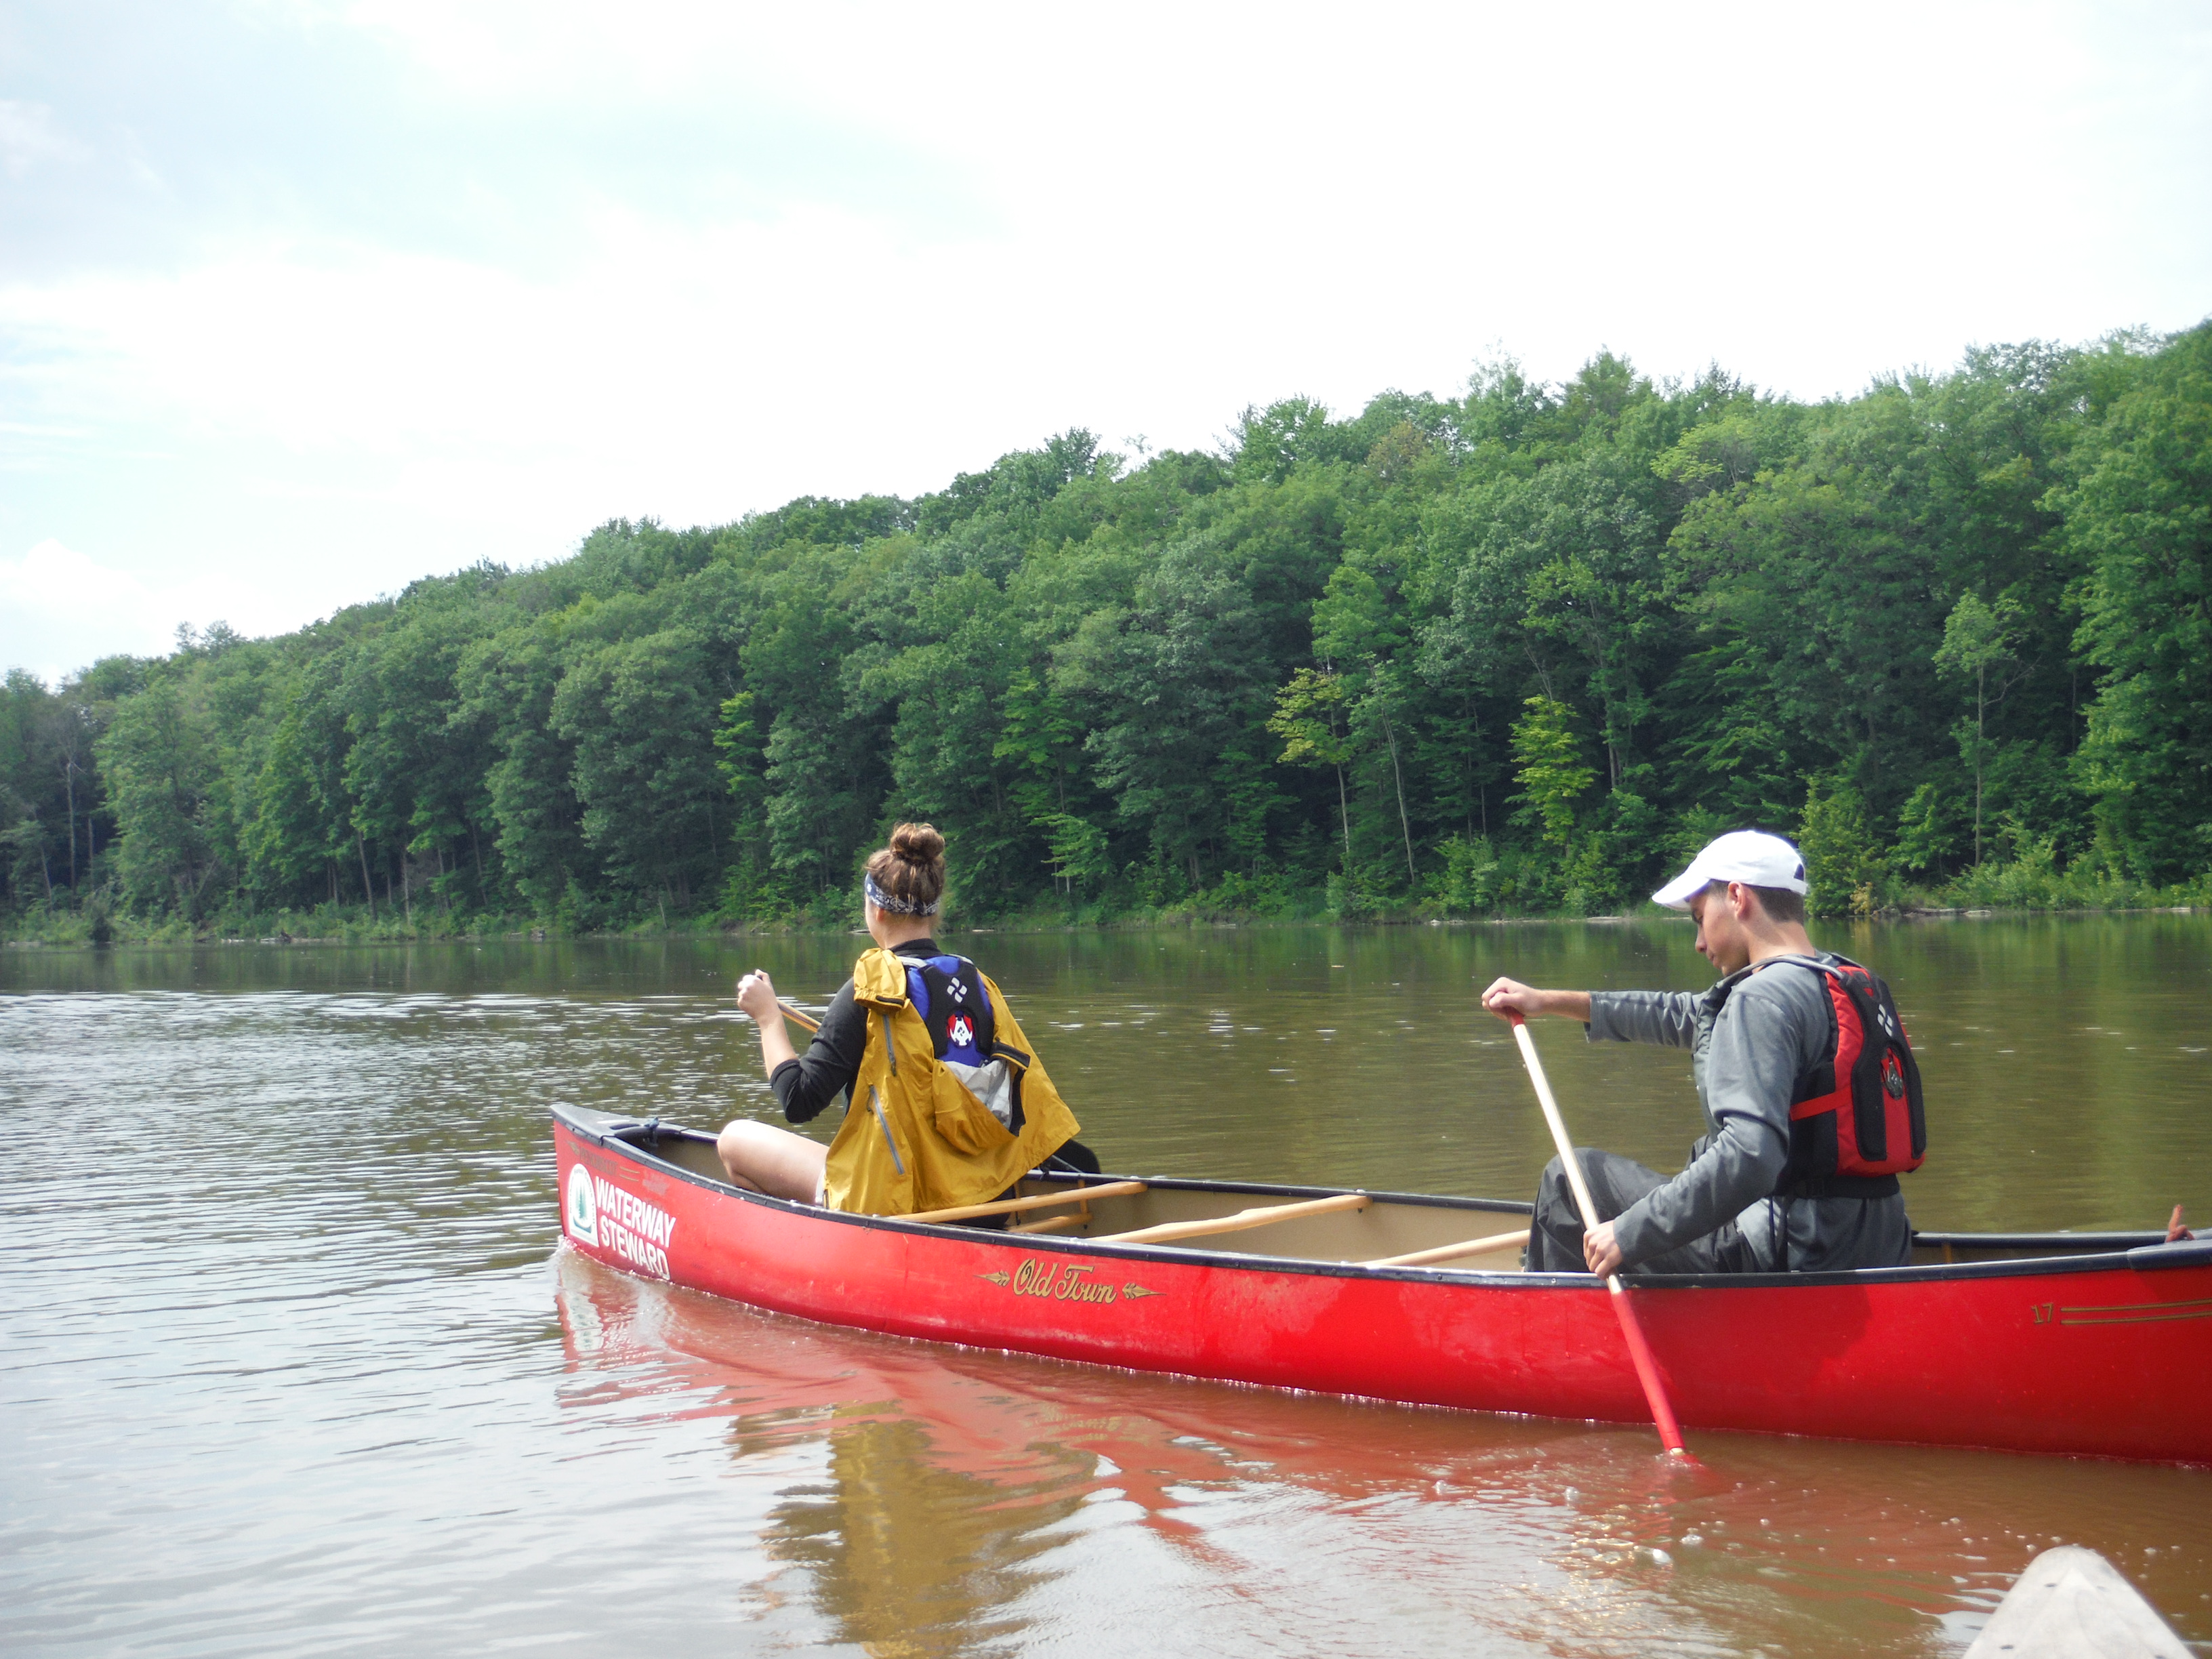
[[727, 932]]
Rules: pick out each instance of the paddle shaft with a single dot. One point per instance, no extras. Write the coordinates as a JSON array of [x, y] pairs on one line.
[[1647, 1370]]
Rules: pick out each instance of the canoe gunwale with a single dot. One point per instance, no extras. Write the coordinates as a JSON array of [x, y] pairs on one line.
[[2115, 1251]]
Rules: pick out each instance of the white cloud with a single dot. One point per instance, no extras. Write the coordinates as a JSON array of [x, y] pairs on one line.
[[52, 578], [60, 609], [29, 137], [55, 603]]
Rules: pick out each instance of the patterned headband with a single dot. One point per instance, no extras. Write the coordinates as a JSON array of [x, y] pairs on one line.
[[884, 901]]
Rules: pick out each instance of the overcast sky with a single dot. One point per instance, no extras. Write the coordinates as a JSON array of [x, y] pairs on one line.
[[302, 299]]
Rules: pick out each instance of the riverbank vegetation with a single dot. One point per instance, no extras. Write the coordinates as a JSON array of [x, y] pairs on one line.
[[1518, 651]]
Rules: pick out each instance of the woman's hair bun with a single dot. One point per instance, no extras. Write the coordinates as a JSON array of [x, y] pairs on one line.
[[908, 877], [917, 843]]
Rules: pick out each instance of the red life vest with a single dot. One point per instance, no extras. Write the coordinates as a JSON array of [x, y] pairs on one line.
[[1856, 1119]]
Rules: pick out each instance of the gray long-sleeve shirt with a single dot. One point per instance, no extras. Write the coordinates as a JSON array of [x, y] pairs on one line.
[[1750, 1038]]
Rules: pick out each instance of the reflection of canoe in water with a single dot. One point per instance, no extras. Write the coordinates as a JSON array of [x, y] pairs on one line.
[[2079, 1343]]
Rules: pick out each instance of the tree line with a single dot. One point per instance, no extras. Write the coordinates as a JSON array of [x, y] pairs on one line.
[[1521, 650]]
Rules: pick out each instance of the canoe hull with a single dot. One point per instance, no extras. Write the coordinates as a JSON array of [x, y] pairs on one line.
[[2103, 1360]]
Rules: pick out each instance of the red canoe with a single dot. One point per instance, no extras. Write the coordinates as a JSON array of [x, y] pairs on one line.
[[2090, 1344]]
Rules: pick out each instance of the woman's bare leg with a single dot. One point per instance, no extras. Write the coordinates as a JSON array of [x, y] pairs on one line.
[[770, 1160]]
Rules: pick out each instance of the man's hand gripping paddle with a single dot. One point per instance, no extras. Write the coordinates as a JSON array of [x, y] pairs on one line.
[[1647, 1372]]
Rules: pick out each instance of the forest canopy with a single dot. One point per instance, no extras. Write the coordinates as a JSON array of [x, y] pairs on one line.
[[1518, 650]]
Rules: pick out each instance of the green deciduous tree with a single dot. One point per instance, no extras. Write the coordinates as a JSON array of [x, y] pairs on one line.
[[641, 714], [1550, 770], [1978, 642], [1310, 719], [2139, 517], [1843, 863], [508, 682], [161, 763], [1927, 838]]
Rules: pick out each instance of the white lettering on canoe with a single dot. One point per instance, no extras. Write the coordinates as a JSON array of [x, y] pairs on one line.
[[599, 1213]]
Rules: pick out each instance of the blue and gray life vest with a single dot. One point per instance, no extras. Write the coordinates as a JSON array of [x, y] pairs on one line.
[[949, 994]]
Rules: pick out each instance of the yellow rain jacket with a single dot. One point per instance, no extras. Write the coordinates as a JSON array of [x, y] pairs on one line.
[[914, 1137]]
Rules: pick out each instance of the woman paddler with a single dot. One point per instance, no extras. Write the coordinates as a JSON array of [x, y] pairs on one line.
[[945, 1101]]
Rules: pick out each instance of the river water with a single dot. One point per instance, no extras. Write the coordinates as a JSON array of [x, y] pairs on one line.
[[292, 1360]]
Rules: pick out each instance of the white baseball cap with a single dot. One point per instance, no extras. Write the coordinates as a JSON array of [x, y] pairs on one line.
[[1750, 856]]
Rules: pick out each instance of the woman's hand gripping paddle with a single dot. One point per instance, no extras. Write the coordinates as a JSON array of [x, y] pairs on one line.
[[805, 1022], [1647, 1372]]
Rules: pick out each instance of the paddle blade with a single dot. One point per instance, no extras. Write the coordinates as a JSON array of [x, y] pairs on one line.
[[1647, 1373]]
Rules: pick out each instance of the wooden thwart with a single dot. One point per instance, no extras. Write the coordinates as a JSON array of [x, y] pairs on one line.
[[1039, 1201], [1264, 1217], [1053, 1224], [1451, 1252]]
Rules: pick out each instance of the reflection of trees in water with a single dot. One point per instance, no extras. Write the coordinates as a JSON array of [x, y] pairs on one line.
[[912, 1558]]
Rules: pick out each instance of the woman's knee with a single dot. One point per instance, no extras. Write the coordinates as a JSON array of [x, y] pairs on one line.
[[743, 1145], [769, 1160]]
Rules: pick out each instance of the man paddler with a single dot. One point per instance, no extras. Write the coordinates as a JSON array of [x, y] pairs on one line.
[[1811, 1096]]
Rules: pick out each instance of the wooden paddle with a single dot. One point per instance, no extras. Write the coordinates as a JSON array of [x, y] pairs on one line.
[[1647, 1371]]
